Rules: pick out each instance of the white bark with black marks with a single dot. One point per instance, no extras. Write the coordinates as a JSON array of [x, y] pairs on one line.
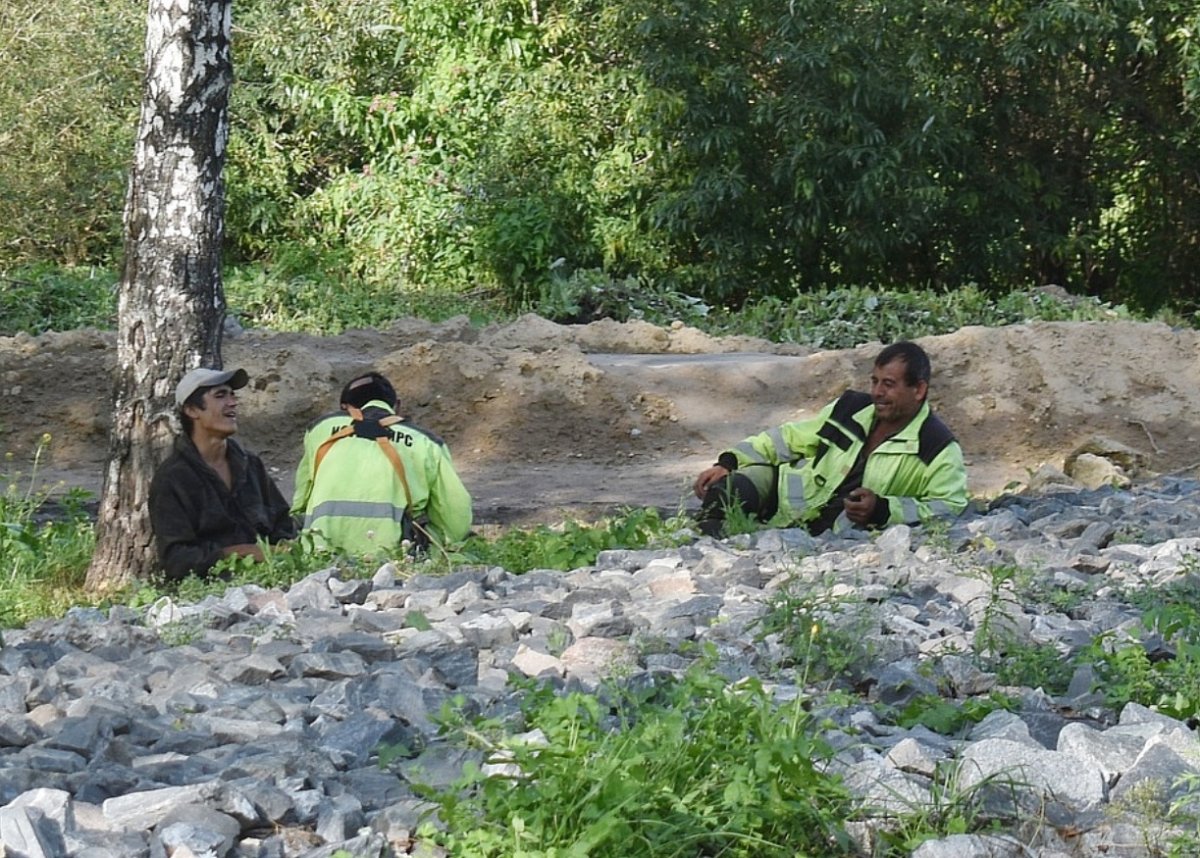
[[171, 305]]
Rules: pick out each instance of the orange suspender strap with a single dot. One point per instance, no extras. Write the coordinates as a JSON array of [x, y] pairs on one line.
[[390, 452], [384, 444], [344, 432]]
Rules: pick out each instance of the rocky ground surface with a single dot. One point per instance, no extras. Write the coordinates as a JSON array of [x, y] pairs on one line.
[[253, 724]]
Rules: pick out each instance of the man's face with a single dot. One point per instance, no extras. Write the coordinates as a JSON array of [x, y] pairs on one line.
[[896, 402], [218, 416]]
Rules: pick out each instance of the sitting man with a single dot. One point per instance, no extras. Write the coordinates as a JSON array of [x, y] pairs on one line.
[[211, 498], [864, 460], [369, 480]]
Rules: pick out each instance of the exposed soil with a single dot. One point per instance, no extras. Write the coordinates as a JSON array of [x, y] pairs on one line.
[[546, 420]]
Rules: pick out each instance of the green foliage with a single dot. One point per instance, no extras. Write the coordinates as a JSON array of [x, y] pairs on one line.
[[994, 627], [847, 317], [1183, 813], [718, 151], [324, 302], [1000, 648], [1170, 681], [827, 635], [570, 545], [40, 298], [951, 809], [43, 559], [907, 142], [587, 295], [282, 566], [742, 778], [949, 717], [1032, 665], [70, 76]]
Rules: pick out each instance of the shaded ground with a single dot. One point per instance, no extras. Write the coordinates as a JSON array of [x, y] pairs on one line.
[[547, 420]]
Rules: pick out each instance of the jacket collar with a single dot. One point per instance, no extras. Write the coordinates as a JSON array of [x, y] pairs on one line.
[[237, 456], [379, 404], [909, 434]]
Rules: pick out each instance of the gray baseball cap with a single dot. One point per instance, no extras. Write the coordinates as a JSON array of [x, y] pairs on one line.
[[205, 377]]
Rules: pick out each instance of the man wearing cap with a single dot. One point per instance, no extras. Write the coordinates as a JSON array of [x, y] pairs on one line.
[[866, 460], [211, 498], [370, 480]]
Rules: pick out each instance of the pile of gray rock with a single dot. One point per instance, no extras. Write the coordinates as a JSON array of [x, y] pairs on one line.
[[266, 723]]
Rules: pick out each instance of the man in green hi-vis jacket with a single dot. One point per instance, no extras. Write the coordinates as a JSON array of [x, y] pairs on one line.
[[370, 480], [866, 460]]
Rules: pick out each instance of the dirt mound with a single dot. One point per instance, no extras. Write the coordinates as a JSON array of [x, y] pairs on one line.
[[545, 419]]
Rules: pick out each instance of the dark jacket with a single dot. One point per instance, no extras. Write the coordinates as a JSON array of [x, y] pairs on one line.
[[194, 516]]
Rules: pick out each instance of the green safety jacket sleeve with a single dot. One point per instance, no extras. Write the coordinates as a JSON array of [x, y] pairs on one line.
[[449, 507], [302, 489], [938, 491], [787, 443]]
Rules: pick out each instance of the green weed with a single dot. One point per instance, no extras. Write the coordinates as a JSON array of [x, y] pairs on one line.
[[948, 717], [302, 291], [742, 778], [283, 565], [304, 296], [589, 294], [1183, 814], [998, 645], [570, 545], [40, 298], [43, 559], [1168, 679], [952, 809], [826, 635], [846, 317]]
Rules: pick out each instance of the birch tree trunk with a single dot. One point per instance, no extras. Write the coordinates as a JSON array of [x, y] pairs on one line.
[[171, 307]]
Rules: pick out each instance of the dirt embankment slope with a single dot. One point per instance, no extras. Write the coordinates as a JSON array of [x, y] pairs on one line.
[[545, 419]]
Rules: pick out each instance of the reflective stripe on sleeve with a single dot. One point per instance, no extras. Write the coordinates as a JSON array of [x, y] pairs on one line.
[[791, 493], [782, 452], [747, 451], [941, 508], [909, 509]]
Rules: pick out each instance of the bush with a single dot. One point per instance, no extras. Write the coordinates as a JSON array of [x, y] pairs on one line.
[[40, 298]]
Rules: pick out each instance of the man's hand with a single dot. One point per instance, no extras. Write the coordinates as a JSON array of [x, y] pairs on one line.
[[860, 505], [706, 479]]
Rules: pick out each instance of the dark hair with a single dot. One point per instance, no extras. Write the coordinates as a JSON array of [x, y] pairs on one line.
[[196, 400], [916, 362], [361, 390]]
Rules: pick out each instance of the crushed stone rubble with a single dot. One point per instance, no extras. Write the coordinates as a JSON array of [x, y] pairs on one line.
[[252, 725]]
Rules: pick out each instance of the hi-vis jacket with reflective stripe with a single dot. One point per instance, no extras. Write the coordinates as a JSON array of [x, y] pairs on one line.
[[355, 501], [918, 473]]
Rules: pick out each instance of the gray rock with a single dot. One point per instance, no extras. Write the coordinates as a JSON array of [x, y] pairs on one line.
[[271, 711], [24, 832], [1159, 774], [900, 683], [1047, 777], [339, 818], [971, 846], [200, 830], [146, 809]]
